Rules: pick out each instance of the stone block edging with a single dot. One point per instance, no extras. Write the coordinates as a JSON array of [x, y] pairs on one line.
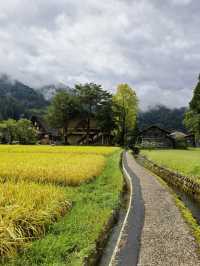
[[182, 182]]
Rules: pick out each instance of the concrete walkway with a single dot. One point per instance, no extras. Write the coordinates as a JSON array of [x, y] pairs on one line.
[[166, 238]]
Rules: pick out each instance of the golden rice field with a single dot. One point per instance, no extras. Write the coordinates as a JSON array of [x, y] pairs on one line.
[[49, 164], [25, 210], [58, 149], [32, 180], [63, 169]]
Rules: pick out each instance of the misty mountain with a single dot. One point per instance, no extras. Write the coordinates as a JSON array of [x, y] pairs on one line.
[[166, 118], [49, 91], [17, 99]]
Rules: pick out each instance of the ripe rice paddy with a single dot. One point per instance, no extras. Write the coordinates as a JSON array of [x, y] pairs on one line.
[[25, 209], [56, 168], [58, 149], [38, 185]]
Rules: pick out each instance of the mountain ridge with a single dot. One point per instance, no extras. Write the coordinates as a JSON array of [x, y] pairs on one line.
[[17, 99]]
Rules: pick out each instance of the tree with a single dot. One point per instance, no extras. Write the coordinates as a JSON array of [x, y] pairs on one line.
[[25, 132], [21, 131], [63, 108], [125, 106], [94, 103], [3, 133], [105, 116], [192, 122], [195, 102], [192, 116], [11, 129]]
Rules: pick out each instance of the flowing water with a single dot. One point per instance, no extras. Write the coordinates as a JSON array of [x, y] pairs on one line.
[[190, 203]]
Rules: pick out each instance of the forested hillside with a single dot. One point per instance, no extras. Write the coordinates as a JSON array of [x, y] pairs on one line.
[[17, 100], [164, 117]]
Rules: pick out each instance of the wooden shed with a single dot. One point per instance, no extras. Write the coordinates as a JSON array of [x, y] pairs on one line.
[[155, 137]]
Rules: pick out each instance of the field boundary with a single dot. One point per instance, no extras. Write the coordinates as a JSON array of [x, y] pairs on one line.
[[95, 257], [130, 188], [127, 247], [182, 182]]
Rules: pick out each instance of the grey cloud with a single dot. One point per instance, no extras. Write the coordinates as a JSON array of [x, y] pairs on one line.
[[153, 45]]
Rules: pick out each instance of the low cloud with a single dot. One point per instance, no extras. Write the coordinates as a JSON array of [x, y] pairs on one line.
[[153, 46]]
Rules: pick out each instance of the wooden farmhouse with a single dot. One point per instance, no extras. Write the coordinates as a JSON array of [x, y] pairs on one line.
[[188, 138], [77, 133], [156, 137], [46, 135]]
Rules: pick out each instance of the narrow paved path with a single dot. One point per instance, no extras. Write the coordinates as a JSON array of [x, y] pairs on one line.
[[165, 239]]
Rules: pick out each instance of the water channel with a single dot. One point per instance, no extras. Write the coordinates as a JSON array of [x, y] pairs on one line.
[[189, 202]]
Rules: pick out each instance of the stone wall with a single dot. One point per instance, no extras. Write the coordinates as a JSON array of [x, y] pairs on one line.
[[184, 183]]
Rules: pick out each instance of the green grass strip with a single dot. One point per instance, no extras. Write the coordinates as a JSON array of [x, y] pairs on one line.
[[73, 238]]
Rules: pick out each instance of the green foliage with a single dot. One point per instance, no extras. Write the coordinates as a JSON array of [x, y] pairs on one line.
[[86, 102], [25, 132], [105, 116], [192, 122], [195, 102], [125, 107], [71, 240], [95, 103], [192, 117], [63, 108], [21, 131], [91, 97]]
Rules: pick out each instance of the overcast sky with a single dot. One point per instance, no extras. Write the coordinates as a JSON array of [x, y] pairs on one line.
[[154, 45]]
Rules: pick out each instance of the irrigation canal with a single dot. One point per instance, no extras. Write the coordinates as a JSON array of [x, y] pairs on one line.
[[125, 246], [189, 202]]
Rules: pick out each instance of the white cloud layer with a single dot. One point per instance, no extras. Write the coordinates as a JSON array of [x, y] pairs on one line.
[[152, 45]]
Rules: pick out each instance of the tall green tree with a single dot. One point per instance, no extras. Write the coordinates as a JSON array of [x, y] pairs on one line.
[[11, 130], [25, 132], [21, 131], [94, 103], [63, 108], [192, 116], [195, 102], [192, 122], [125, 106]]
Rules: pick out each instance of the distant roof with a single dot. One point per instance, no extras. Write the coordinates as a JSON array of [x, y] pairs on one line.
[[46, 128], [155, 126], [178, 134], [190, 135]]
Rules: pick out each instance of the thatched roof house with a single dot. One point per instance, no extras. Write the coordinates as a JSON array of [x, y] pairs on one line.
[[77, 133]]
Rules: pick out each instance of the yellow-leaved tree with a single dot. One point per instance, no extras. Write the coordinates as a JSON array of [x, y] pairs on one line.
[[125, 107]]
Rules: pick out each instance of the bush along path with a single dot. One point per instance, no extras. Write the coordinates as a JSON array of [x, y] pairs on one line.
[[165, 238]]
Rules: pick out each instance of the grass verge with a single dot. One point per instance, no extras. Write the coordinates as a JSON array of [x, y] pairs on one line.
[[186, 162], [73, 239]]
